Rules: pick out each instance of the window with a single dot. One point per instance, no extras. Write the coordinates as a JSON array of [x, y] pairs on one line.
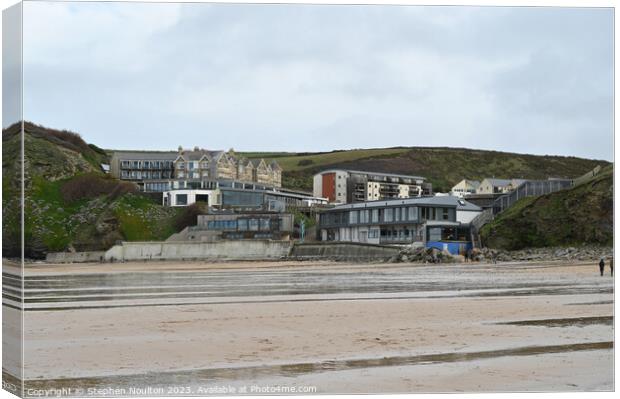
[[353, 217], [388, 215], [242, 224], [364, 216], [181, 165], [375, 216], [264, 224], [397, 214], [253, 224], [434, 234], [446, 214], [181, 199], [413, 213]]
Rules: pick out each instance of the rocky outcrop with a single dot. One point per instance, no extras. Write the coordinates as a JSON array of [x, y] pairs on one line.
[[584, 253]]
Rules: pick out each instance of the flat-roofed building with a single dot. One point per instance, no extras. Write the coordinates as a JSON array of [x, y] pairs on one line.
[[400, 221], [343, 186], [234, 195], [227, 225], [140, 166]]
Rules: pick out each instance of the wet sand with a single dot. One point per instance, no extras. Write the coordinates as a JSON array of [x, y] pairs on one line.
[[341, 328]]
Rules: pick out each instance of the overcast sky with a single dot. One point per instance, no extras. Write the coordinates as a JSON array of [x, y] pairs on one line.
[[314, 78]]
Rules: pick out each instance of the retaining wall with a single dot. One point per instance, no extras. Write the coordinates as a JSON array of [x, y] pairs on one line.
[[74, 257], [343, 251], [228, 250]]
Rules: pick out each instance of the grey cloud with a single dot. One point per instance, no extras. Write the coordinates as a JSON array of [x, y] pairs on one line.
[[323, 77]]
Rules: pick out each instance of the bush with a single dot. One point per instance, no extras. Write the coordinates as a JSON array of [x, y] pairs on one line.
[[189, 216], [305, 162], [91, 186]]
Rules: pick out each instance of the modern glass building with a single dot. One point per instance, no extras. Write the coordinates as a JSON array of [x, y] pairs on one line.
[[403, 221]]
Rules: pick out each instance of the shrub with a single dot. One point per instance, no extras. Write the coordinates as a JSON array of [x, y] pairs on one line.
[[90, 186], [189, 216], [305, 162]]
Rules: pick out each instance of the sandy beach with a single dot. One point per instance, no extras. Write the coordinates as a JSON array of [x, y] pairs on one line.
[[332, 327]]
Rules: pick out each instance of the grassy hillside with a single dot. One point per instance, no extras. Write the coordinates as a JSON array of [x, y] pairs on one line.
[[69, 202], [581, 215], [443, 167]]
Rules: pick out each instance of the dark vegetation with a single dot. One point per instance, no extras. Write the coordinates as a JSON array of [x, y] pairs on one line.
[[189, 216], [90, 186]]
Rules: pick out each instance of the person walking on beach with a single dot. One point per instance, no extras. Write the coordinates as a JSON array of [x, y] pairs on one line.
[[601, 266]]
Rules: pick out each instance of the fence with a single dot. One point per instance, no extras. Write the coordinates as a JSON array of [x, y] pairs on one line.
[[530, 188], [588, 176]]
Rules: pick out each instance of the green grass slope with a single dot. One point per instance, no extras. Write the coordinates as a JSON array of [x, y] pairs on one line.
[[69, 202], [443, 167], [581, 215]]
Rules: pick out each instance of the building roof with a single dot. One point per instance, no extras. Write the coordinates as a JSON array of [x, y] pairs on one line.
[[474, 183], [275, 165], [196, 155], [146, 155], [450, 201], [498, 182], [372, 173], [276, 192]]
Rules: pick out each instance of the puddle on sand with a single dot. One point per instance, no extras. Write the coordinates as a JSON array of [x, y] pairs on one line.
[[205, 376], [591, 303], [568, 322]]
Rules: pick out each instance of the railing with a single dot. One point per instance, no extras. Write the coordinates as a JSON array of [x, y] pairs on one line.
[[530, 188], [483, 218], [588, 176]]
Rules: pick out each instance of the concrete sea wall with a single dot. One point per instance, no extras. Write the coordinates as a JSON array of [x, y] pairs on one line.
[[227, 250], [74, 257], [342, 251]]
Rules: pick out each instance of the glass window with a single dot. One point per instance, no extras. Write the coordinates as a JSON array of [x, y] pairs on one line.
[[181, 199], [413, 213], [353, 217], [388, 215], [446, 214], [375, 216], [264, 224], [434, 234], [242, 224], [241, 198], [253, 224]]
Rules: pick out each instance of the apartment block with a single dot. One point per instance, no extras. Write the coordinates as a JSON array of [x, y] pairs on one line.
[[341, 186], [161, 171]]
